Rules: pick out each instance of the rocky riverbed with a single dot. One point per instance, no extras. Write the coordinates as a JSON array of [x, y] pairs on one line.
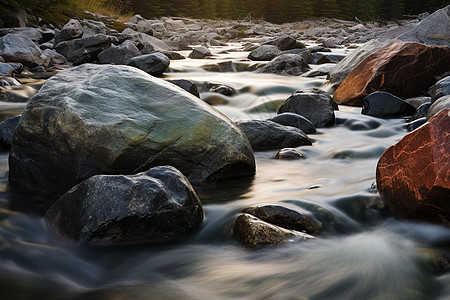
[[116, 183]]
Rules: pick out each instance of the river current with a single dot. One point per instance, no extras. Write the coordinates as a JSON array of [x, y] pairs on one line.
[[361, 254]]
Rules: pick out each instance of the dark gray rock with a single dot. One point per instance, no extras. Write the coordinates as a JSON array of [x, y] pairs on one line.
[[343, 68], [17, 18], [107, 119], [386, 105], [141, 24], [294, 120], [48, 45], [320, 58], [84, 50], [145, 43], [173, 55], [286, 64], [47, 34], [20, 48], [286, 43], [433, 31], [72, 30], [284, 217], [323, 69], [303, 52], [187, 85], [317, 107], [265, 52], [154, 64], [413, 125], [440, 89], [224, 90], [418, 101], [227, 66], [105, 209], [438, 105], [289, 154], [7, 128], [421, 112], [6, 69], [55, 57], [255, 233], [268, 135], [200, 52], [119, 55], [30, 32], [93, 27]]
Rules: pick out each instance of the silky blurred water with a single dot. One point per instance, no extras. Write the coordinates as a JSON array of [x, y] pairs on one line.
[[360, 254]]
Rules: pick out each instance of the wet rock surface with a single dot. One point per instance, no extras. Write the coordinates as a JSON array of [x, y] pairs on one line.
[[153, 205], [268, 135], [289, 154], [154, 64], [294, 120], [386, 105], [412, 175], [79, 125]]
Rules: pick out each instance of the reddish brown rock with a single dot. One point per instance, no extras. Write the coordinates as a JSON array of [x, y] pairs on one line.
[[401, 68], [414, 174]]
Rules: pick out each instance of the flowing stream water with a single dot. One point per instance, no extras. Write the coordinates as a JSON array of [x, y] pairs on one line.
[[361, 254]]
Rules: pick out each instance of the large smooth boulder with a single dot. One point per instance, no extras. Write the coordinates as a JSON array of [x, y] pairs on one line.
[[20, 48], [286, 64], [155, 205], [317, 107], [106, 119], [413, 175], [265, 52], [255, 233], [84, 50], [119, 55], [433, 31], [154, 64], [386, 105], [345, 66], [400, 68], [268, 135], [72, 30]]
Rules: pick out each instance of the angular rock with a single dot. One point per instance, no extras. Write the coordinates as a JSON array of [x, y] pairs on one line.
[[46, 33], [173, 55], [199, 53], [21, 49], [6, 70], [255, 233], [84, 50], [289, 154], [386, 105], [303, 52], [284, 217], [317, 107], [294, 120], [72, 30], [286, 43], [327, 58], [418, 101], [145, 43], [92, 27], [413, 125], [343, 68], [268, 135], [107, 209], [31, 32], [413, 175], [438, 105], [265, 52], [433, 31], [420, 112], [227, 66], [400, 68], [286, 64], [7, 128], [187, 85], [119, 55], [323, 69], [107, 119], [140, 24], [154, 64], [55, 57], [440, 89]]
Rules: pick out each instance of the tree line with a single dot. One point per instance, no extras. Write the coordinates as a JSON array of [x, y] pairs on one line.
[[280, 11]]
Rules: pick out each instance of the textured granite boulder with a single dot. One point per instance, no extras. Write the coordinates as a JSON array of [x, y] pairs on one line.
[[268, 135], [119, 55], [20, 48], [433, 30], [317, 107], [386, 105], [265, 52], [401, 68], [106, 119], [105, 209], [84, 50], [413, 175], [72, 30], [255, 233], [154, 64]]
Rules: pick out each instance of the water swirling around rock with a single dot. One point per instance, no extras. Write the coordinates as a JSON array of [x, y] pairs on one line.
[[360, 254]]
